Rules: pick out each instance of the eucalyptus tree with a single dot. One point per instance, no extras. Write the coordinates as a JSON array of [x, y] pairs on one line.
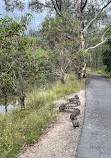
[[79, 10], [58, 36], [13, 57]]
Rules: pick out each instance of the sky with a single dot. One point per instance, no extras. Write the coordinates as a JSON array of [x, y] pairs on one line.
[[37, 17]]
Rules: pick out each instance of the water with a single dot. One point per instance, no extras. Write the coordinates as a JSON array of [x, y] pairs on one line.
[[11, 104]]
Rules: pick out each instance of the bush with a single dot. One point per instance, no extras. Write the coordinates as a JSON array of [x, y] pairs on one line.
[[106, 56], [21, 127]]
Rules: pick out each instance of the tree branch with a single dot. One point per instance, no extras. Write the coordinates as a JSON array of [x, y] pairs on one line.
[[39, 3], [102, 41], [55, 7], [102, 38], [93, 20], [8, 69], [82, 8], [96, 45], [59, 5]]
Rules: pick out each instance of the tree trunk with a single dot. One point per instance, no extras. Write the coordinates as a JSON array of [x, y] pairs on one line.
[[3, 90], [96, 61], [90, 59], [82, 44], [6, 102], [21, 88], [62, 66], [22, 100], [81, 34]]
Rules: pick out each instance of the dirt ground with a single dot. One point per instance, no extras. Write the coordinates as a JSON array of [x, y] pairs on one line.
[[60, 139]]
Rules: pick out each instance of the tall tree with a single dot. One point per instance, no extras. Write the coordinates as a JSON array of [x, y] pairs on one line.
[[13, 57], [58, 36], [78, 9]]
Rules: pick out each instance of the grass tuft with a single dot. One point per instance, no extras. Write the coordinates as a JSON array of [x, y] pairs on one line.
[[21, 127], [108, 74]]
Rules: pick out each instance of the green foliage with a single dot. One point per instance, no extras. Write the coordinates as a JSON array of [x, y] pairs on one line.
[[10, 27], [19, 128], [106, 55], [56, 30], [81, 55], [72, 85], [13, 56], [22, 61], [108, 74], [58, 34]]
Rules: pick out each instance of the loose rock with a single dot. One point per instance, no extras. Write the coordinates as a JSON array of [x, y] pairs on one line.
[[75, 123], [75, 113], [73, 117], [62, 107], [76, 96], [74, 100], [78, 102]]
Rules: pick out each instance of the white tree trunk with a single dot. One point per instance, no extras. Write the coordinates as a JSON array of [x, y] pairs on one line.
[[82, 44]]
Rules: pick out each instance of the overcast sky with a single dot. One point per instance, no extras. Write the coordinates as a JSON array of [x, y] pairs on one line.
[[37, 17]]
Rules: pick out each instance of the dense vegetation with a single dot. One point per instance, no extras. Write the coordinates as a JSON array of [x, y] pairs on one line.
[[47, 65], [106, 55], [21, 127], [25, 66]]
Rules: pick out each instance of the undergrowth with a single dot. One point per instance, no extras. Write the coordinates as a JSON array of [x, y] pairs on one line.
[[19, 128], [108, 74]]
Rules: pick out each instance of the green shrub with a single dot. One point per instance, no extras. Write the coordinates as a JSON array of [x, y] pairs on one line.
[[21, 127]]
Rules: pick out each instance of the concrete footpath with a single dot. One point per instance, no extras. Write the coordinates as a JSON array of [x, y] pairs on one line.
[[95, 141]]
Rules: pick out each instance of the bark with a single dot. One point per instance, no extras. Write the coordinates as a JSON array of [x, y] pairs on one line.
[[21, 88], [6, 102], [96, 62], [90, 59], [62, 66], [82, 44], [56, 7], [59, 4], [80, 9], [22, 100]]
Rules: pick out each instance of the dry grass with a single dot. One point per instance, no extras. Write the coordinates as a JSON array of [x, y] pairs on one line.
[[21, 127]]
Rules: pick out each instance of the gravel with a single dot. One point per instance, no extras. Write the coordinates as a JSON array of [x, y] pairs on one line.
[[60, 139]]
